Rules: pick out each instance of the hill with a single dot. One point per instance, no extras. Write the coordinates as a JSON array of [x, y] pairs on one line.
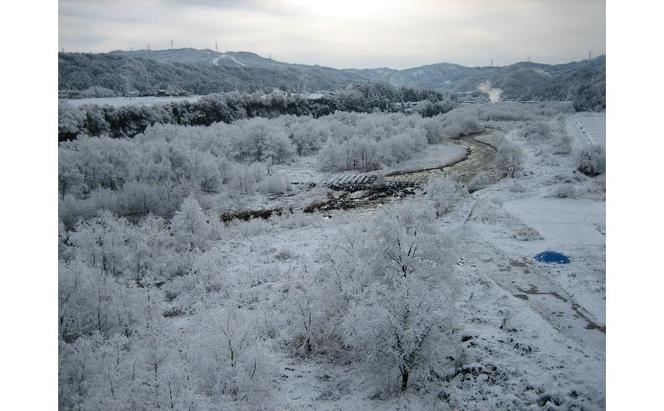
[[146, 72], [582, 81], [151, 72]]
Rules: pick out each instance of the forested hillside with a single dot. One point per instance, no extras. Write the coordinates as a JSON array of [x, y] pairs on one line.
[[582, 82], [192, 71], [182, 71]]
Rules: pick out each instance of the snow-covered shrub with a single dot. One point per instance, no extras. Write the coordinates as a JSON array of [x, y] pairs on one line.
[[272, 185], [536, 131], [460, 125], [71, 122], [402, 146], [355, 154], [443, 193], [563, 144], [591, 161], [565, 190], [292, 220], [255, 226], [90, 300], [517, 187], [245, 176], [228, 360], [430, 109], [311, 330], [479, 182], [308, 136]]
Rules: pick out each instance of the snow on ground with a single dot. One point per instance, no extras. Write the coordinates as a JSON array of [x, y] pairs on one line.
[[532, 335], [564, 223], [226, 56], [554, 314], [125, 101], [591, 127]]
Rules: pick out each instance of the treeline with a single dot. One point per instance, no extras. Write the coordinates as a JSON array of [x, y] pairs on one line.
[[127, 121]]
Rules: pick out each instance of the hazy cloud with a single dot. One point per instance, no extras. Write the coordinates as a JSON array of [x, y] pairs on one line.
[[345, 33]]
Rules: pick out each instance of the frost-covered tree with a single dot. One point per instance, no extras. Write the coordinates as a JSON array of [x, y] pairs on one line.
[[102, 242], [388, 292], [396, 326], [189, 226], [90, 300], [512, 156], [444, 193], [227, 357]]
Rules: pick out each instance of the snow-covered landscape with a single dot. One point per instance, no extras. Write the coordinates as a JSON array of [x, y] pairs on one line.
[[379, 261], [243, 232]]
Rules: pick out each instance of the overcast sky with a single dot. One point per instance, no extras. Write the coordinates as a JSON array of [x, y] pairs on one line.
[[345, 33]]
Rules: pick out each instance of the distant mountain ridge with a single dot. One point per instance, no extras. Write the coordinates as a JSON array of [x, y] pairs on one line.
[[148, 72]]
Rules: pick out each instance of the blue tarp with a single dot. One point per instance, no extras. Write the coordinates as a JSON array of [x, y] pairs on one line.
[[552, 257]]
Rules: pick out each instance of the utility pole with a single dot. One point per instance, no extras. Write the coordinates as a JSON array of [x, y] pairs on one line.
[[215, 46], [491, 62], [590, 55], [171, 44], [148, 46]]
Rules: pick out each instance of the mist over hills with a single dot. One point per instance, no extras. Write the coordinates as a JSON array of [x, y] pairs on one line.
[[187, 70]]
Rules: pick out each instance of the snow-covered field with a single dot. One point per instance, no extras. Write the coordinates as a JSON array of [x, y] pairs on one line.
[[124, 101], [562, 222]]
